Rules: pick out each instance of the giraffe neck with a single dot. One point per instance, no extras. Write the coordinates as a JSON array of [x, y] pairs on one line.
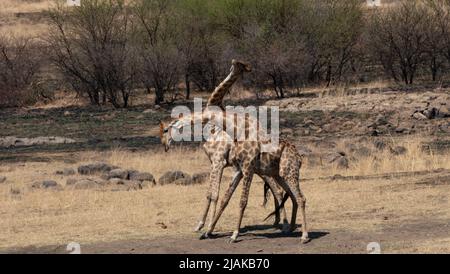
[[217, 132], [216, 98]]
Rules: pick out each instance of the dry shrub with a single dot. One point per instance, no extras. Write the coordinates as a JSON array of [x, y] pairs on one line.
[[19, 65]]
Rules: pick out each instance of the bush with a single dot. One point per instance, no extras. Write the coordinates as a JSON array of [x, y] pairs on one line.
[[19, 63], [92, 48]]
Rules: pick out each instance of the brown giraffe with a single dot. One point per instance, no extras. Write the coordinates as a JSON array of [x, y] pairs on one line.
[[217, 147], [281, 167]]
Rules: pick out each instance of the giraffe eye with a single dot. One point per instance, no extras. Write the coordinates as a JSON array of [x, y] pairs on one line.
[[166, 130]]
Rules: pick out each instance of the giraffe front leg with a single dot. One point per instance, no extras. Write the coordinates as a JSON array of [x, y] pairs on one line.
[[216, 178], [226, 198], [242, 206], [201, 223], [213, 193]]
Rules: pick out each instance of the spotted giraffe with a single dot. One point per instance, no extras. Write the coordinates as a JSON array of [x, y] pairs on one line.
[[218, 146], [280, 167]]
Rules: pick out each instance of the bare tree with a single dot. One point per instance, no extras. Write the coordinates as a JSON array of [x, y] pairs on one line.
[[92, 49], [399, 39], [156, 36], [19, 65]]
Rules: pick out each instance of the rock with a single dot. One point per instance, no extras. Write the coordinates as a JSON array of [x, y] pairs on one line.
[[444, 112], [342, 163], [337, 177], [363, 152], [118, 184], [401, 130], [379, 144], [12, 141], [419, 116], [65, 172], [200, 178], [351, 147], [162, 225], [86, 184], [145, 184], [117, 173], [71, 181], [15, 191], [398, 150], [67, 113], [116, 181], [93, 168], [2, 179], [148, 111], [171, 176], [46, 184], [304, 151], [184, 181], [431, 113], [381, 120], [338, 158], [141, 176], [136, 185], [332, 157], [308, 122]]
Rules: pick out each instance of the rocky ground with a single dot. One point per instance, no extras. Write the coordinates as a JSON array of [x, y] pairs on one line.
[[373, 153]]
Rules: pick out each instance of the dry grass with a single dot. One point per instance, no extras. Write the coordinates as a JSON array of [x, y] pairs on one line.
[[86, 216], [10, 25], [379, 162], [14, 6], [24, 29]]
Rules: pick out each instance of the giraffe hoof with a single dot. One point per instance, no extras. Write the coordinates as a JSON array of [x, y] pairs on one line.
[[232, 241], [286, 229], [205, 235], [305, 240]]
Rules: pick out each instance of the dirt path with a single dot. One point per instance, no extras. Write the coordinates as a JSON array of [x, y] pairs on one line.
[[264, 239]]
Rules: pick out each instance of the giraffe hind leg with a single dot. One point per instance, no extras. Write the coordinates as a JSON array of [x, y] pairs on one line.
[[242, 205]]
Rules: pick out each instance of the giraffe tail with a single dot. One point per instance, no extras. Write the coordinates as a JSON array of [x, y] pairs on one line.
[[266, 194], [280, 206]]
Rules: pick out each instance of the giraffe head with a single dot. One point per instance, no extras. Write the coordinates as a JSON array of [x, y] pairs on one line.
[[240, 66], [165, 135]]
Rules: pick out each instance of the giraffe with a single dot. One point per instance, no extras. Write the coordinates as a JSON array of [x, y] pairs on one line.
[[218, 146], [280, 167]]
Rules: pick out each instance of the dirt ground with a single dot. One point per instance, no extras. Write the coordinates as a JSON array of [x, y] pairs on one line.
[[371, 173], [407, 238], [420, 223], [376, 170]]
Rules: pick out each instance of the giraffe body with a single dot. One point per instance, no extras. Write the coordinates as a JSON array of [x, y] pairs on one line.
[[279, 168]]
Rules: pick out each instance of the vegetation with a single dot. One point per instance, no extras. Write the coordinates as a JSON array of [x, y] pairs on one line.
[[107, 49]]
